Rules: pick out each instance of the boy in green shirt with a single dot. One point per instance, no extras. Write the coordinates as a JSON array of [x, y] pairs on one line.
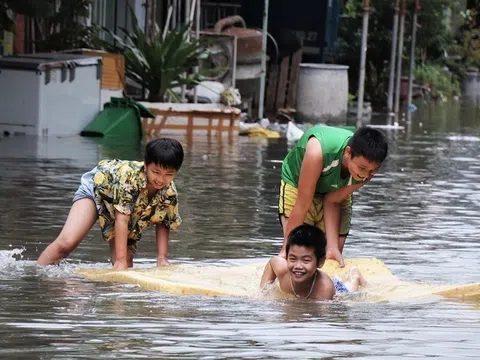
[[319, 176]]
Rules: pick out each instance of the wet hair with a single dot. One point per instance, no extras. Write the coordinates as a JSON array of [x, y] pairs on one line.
[[369, 143], [164, 152], [308, 236]]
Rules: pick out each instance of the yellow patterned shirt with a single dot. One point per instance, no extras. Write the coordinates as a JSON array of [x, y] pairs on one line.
[[122, 186]]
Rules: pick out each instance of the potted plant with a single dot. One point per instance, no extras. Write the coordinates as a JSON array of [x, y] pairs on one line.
[[162, 62]]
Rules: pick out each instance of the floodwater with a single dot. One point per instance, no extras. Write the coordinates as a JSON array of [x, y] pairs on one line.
[[420, 215]]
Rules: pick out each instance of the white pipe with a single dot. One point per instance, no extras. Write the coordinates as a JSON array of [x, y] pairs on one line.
[[261, 97], [174, 15], [412, 54], [234, 62], [167, 22], [399, 57], [391, 79], [363, 59], [197, 35]]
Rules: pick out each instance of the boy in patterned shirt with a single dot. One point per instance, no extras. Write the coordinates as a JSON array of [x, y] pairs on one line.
[[126, 197]]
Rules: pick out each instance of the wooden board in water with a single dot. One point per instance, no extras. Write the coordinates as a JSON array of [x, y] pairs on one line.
[[243, 281]]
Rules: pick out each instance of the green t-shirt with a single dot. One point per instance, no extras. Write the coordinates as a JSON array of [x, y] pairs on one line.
[[333, 142]]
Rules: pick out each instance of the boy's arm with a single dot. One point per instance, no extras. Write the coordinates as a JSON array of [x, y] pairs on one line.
[[310, 172], [121, 239], [331, 217], [162, 236], [276, 266]]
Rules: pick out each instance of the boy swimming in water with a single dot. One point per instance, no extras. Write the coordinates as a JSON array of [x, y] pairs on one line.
[[300, 275]]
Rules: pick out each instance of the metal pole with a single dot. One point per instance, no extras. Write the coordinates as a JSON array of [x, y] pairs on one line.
[[234, 62], [188, 11], [125, 19], [391, 79], [167, 22], [188, 20], [261, 97], [174, 15], [115, 10], [399, 57], [197, 35], [412, 52], [363, 58]]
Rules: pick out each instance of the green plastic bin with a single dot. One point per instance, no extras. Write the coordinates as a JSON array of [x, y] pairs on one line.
[[120, 118]]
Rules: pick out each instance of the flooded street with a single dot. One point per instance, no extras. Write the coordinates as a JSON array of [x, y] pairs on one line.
[[420, 215]]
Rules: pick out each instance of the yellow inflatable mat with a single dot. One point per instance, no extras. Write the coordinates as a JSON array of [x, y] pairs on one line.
[[243, 281]]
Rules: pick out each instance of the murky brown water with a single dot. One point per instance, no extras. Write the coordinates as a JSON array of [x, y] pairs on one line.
[[420, 215]]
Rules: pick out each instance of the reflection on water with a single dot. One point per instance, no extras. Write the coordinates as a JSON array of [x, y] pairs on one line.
[[419, 215]]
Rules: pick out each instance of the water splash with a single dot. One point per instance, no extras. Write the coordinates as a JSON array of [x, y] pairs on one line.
[[12, 266], [11, 263], [463, 138]]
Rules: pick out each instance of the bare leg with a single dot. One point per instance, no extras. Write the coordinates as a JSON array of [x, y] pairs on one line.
[[355, 280], [341, 243], [284, 221], [81, 218], [112, 254]]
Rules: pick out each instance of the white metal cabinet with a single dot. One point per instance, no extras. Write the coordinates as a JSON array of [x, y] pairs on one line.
[[48, 94]]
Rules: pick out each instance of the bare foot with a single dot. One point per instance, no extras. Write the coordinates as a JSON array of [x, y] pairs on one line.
[[357, 275], [355, 280]]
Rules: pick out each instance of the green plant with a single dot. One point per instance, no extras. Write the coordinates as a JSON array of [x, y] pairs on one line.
[[468, 45], [6, 21], [160, 62], [433, 37], [350, 99], [440, 83], [58, 25]]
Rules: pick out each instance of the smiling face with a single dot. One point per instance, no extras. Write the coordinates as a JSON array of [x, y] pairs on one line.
[[359, 167], [159, 177], [302, 263]]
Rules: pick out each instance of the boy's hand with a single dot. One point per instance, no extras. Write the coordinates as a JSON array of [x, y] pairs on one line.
[[120, 265], [335, 254], [162, 261]]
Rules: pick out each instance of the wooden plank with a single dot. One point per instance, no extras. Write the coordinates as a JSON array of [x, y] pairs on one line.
[[271, 92], [113, 69], [282, 83], [190, 125], [230, 127], [153, 127], [204, 114], [195, 127], [220, 125], [293, 79]]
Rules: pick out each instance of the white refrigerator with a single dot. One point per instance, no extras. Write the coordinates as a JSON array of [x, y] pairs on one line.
[[48, 94]]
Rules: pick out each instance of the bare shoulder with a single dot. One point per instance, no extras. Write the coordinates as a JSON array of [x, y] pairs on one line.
[[313, 148], [279, 265], [324, 288]]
